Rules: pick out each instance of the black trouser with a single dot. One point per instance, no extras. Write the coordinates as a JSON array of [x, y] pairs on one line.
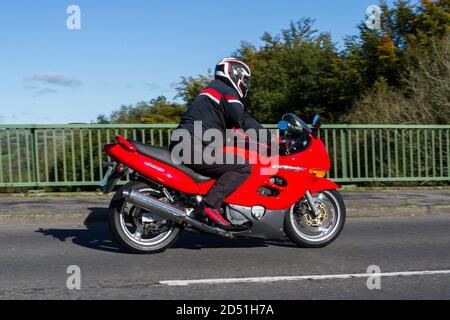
[[229, 176]]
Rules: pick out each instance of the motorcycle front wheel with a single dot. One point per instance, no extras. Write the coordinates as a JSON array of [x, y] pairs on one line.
[[137, 230], [308, 231]]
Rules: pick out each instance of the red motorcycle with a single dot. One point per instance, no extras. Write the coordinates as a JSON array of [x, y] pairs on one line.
[[148, 214]]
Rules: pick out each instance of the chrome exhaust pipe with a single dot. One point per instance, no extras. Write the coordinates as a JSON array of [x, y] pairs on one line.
[[168, 211], [161, 208]]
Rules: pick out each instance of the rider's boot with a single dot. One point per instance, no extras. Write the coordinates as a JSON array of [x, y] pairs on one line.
[[203, 210]]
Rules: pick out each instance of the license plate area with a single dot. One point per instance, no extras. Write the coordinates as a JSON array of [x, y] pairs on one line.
[[112, 166], [115, 172]]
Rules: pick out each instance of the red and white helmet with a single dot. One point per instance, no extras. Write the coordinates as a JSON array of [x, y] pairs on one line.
[[235, 73]]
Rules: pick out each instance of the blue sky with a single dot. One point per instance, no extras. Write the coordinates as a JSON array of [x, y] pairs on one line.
[[131, 51]]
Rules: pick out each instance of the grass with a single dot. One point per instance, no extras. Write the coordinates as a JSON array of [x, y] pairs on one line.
[[410, 204]]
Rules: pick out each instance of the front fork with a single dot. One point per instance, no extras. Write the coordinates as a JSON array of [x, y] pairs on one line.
[[312, 204]]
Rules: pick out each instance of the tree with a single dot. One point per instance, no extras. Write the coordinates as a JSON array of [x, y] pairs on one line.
[[156, 111], [300, 70], [384, 53], [190, 87], [424, 97]]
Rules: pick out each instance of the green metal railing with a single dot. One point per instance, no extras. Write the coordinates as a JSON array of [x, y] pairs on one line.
[[72, 155]]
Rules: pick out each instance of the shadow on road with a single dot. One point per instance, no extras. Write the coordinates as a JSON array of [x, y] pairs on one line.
[[97, 236]]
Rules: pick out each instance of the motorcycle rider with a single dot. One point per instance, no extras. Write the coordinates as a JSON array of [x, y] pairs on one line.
[[219, 106]]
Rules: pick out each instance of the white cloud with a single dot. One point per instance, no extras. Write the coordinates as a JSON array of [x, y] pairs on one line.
[[50, 78], [56, 79]]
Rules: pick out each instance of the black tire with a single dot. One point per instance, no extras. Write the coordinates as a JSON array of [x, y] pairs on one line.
[[117, 204], [293, 233]]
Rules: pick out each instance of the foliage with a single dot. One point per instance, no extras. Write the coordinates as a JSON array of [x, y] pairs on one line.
[[190, 87], [397, 74], [424, 96], [158, 110]]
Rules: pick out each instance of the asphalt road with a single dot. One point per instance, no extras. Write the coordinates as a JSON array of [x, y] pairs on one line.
[[34, 261]]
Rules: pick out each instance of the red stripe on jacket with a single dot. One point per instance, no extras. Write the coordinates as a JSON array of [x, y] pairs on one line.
[[212, 92], [232, 99]]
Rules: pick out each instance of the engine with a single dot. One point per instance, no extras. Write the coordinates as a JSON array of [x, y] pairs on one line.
[[235, 217]]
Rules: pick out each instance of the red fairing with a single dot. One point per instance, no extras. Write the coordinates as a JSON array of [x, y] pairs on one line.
[[125, 143], [294, 170], [297, 182], [155, 170], [322, 185]]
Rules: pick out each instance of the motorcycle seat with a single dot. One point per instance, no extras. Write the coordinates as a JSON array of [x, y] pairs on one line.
[[164, 155]]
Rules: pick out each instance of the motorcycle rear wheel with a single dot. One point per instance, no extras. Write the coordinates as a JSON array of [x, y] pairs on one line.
[[306, 231], [128, 229]]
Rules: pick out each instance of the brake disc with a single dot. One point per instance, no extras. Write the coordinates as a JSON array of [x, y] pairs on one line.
[[149, 222], [317, 222]]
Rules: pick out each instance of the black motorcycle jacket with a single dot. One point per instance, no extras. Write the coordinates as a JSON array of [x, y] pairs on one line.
[[218, 106]]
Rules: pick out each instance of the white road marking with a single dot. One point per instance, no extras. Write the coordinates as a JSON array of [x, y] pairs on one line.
[[298, 278]]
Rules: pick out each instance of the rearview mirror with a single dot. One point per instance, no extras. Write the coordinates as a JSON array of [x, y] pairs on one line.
[[283, 125], [317, 123]]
